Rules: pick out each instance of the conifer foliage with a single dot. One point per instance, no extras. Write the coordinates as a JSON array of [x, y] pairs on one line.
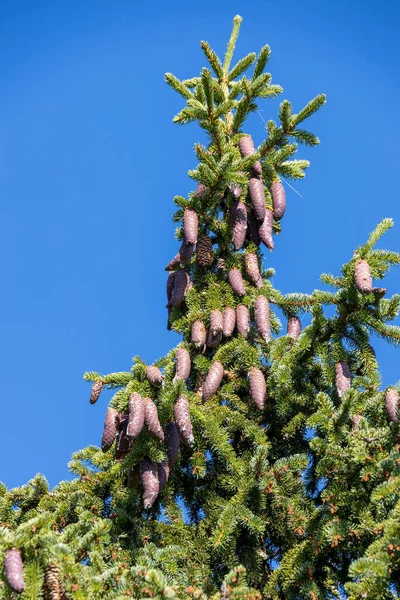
[[258, 459]]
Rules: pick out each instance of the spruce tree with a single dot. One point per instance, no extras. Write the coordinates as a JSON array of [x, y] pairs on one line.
[[255, 459]]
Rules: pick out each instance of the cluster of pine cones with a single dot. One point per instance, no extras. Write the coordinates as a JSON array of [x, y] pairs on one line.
[[14, 572]]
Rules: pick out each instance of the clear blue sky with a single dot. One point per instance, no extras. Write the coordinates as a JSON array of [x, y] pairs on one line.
[[90, 162]]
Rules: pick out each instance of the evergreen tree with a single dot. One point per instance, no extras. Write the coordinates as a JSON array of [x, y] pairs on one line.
[[249, 462]]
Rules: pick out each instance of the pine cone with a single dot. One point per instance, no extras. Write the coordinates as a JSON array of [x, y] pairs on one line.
[[123, 443], [294, 327], [229, 321], [154, 375], [221, 264], [170, 287], [252, 269], [243, 320], [343, 377], [181, 283], [265, 230], [182, 258], [246, 147], [151, 419], [183, 364], [239, 224], [356, 421], [216, 322], [96, 391], [110, 429], [379, 292], [163, 474], [261, 313], [363, 277], [256, 191], [190, 226], [213, 380], [236, 282], [136, 416], [201, 188], [182, 418], [252, 228], [278, 199], [149, 479], [14, 570], [199, 334], [258, 387], [204, 251], [392, 404], [213, 340], [172, 443], [51, 584]]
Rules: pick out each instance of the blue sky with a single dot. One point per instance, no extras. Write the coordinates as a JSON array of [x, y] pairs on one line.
[[90, 161]]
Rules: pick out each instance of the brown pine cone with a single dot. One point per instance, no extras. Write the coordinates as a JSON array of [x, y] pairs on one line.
[[110, 429], [261, 313], [96, 391], [278, 199], [190, 226], [123, 443], [183, 364], [356, 421], [246, 147], [199, 334], [136, 416], [363, 277], [51, 584], [216, 322], [149, 479], [213, 380], [151, 419], [182, 419], [182, 258], [163, 474], [204, 251], [265, 230], [257, 196], [236, 282], [154, 375], [181, 283], [14, 570], [343, 377], [252, 269], [172, 443], [243, 320], [293, 327], [201, 188], [170, 287], [229, 321], [258, 387], [213, 340], [239, 224], [392, 404]]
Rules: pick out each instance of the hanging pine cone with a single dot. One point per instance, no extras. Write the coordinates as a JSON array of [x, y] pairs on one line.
[[198, 335], [216, 322], [123, 443], [163, 474], [363, 277], [170, 287], [239, 224], [294, 327], [229, 321], [213, 380], [258, 387], [379, 292], [265, 230], [51, 584], [96, 391], [392, 404], [213, 340], [356, 421], [110, 429], [136, 415], [243, 320], [14, 570], [149, 479], [246, 147], [278, 199], [172, 443], [343, 377], [190, 226], [183, 364], [252, 269], [204, 251], [151, 419], [201, 188], [182, 258], [252, 228], [181, 283], [182, 418], [257, 196], [261, 313], [236, 282], [154, 375]]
